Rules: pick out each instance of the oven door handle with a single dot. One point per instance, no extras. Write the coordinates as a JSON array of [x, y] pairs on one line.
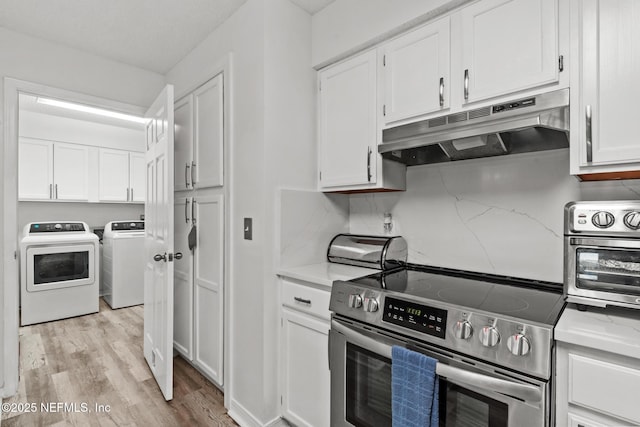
[[607, 243], [526, 392]]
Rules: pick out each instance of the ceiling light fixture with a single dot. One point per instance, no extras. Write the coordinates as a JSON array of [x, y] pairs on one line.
[[90, 110]]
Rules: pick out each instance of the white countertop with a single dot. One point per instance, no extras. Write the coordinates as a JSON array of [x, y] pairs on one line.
[[614, 330], [325, 273]]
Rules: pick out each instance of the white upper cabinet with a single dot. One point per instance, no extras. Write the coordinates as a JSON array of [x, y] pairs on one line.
[[507, 46], [35, 169], [606, 43], [122, 176], [114, 175], [417, 72], [183, 143], [208, 123], [199, 135], [71, 172], [348, 143]]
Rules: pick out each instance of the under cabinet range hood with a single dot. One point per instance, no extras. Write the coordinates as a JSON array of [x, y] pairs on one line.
[[535, 123]]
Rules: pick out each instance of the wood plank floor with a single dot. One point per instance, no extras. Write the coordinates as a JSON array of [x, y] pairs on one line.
[[97, 360]]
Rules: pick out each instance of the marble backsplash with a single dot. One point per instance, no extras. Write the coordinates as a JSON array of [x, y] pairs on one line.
[[501, 215], [308, 222]]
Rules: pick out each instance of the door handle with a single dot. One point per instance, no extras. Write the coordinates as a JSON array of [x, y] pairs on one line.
[[178, 255], [589, 132], [187, 166], [526, 392], [158, 257], [466, 84], [441, 91]]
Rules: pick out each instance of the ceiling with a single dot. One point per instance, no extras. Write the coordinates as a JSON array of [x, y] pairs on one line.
[[149, 34]]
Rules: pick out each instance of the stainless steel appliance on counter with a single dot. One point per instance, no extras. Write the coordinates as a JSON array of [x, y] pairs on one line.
[[492, 337], [602, 253], [379, 252]]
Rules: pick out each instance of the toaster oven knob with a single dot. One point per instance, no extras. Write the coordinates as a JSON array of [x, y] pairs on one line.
[[632, 220], [370, 304], [463, 329], [489, 336], [518, 344], [602, 219], [355, 301]]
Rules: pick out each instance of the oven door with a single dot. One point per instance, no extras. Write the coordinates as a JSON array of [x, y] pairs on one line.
[[603, 271], [63, 266], [470, 395]]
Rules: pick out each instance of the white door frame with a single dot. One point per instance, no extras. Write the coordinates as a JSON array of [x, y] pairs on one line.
[[9, 296]]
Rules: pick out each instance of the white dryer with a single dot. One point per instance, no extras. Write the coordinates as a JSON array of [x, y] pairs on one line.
[[59, 271], [123, 263]]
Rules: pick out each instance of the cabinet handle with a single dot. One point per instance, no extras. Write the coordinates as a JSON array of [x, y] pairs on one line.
[[132, 194], [187, 166], [466, 84], [589, 134], [56, 191], [186, 210], [441, 91], [302, 300], [127, 194], [369, 164], [193, 211], [51, 191], [193, 168]]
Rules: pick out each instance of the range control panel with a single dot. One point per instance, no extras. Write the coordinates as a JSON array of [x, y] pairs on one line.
[[605, 217], [53, 227], [421, 318]]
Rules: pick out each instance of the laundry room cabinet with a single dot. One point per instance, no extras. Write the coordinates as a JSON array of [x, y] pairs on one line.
[[199, 219], [122, 176], [53, 171]]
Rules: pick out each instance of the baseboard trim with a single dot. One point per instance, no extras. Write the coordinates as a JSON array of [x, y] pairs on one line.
[[246, 419]]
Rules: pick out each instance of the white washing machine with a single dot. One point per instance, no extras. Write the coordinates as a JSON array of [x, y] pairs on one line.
[[59, 271], [123, 263]]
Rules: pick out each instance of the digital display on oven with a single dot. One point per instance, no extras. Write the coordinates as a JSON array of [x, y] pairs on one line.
[[421, 318]]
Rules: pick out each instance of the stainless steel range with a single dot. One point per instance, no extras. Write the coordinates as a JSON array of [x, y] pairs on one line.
[[492, 337]]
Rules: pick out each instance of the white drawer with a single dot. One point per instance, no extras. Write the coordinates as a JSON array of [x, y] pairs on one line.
[[306, 299], [604, 387]]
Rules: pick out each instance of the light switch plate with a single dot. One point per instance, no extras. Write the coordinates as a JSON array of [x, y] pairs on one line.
[[248, 229]]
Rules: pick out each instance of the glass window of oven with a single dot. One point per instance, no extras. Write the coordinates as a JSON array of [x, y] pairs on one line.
[[616, 270]]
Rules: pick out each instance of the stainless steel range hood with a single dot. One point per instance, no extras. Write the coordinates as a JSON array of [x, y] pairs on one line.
[[530, 124]]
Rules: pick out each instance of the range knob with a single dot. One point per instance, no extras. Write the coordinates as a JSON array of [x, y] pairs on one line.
[[370, 304], [489, 336], [518, 344], [463, 329], [355, 301], [632, 220], [602, 219]]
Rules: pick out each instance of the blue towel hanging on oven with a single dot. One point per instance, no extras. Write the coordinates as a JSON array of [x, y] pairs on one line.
[[414, 389]]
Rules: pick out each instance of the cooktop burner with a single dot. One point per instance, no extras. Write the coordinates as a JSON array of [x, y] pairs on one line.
[[528, 300]]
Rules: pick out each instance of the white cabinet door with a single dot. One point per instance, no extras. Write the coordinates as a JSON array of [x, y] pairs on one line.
[[305, 367], [508, 45], [183, 280], [607, 114], [183, 143], [208, 124], [137, 177], [35, 169], [416, 72], [71, 172], [114, 175], [208, 286], [348, 127]]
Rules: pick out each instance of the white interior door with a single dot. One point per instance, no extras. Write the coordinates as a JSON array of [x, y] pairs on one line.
[[158, 277]]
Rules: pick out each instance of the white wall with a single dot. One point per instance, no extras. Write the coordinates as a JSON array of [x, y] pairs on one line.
[[65, 129], [47, 63], [272, 145], [346, 26], [501, 215]]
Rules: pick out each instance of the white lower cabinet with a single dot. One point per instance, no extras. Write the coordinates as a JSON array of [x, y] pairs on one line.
[[304, 361], [198, 283]]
